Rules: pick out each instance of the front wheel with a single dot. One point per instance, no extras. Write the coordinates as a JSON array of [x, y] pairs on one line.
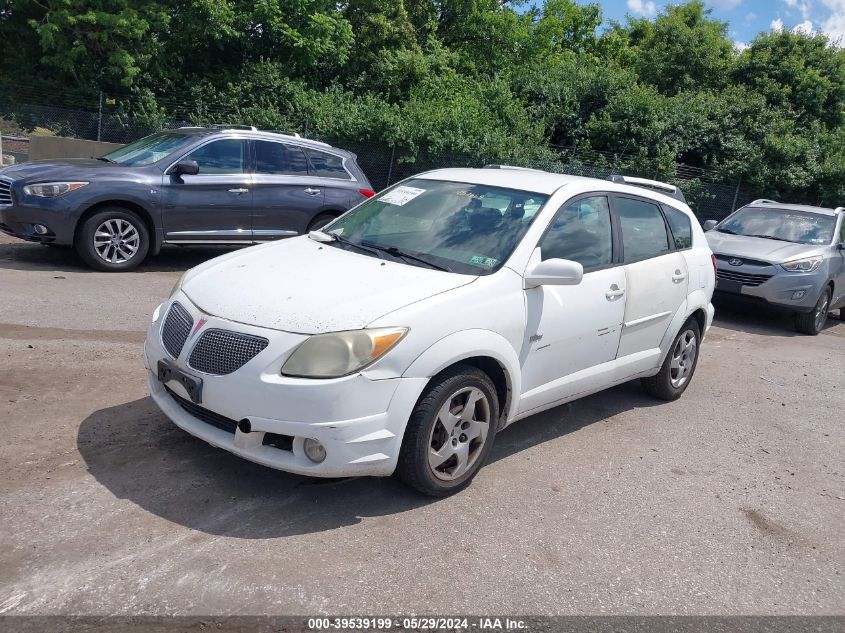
[[113, 240], [676, 372], [450, 432], [812, 322]]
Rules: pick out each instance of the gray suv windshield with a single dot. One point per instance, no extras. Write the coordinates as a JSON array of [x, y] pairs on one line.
[[787, 225], [149, 149]]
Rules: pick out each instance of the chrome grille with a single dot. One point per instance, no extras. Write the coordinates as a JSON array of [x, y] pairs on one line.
[[221, 352], [746, 279], [175, 330], [5, 192]]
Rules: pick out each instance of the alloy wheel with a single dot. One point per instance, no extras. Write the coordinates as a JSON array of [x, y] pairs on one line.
[[821, 311], [459, 433], [116, 241], [683, 358]]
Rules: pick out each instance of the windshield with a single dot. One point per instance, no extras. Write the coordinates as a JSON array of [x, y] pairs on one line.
[[785, 225], [149, 149], [461, 227]]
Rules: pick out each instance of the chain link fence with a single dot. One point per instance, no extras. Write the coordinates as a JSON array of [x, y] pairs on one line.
[[710, 194]]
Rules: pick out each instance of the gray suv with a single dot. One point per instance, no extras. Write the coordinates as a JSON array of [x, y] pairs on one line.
[[186, 186], [787, 256]]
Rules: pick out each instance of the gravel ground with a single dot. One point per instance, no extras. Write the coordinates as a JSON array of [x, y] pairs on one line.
[[728, 501]]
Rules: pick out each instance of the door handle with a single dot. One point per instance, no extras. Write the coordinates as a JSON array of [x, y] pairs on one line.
[[678, 277], [312, 192], [614, 293], [238, 191]]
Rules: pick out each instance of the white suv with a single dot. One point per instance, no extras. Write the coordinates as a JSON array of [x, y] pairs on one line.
[[416, 326]]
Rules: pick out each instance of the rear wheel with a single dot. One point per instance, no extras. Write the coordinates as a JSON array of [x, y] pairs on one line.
[[677, 370], [321, 220], [813, 322], [114, 240], [450, 432]]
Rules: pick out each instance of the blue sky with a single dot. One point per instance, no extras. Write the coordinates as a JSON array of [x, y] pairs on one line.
[[746, 18]]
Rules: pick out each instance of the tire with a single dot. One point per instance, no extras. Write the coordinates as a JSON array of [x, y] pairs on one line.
[[428, 428], [320, 220], [106, 226], [813, 322], [679, 366]]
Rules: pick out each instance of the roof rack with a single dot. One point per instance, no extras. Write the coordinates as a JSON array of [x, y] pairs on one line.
[[839, 210], [656, 185], [513, 167], [763, 201], [233, 126]]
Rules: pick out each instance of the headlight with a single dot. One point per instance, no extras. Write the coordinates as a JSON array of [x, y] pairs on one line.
[[178, 285], [806, 265], [52, 189], [341, 353]]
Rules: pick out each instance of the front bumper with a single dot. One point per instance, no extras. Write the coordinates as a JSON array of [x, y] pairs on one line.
[[794, 292], [20, 220], [359, 421]]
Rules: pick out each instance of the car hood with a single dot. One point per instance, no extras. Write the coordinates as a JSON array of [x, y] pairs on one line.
[[299, 285], [760, 248], [43, 170]]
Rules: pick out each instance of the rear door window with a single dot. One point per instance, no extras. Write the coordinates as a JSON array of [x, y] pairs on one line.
[[280, 159], [643, 228], [325, 165], [681, 227]]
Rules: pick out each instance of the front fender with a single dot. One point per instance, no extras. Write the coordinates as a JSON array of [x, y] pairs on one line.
[[468, 344]]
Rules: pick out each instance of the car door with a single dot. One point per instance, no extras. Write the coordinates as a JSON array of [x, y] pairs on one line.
[[574, 330], [286, 198], [656, 275], [837, 266], [215, 205]]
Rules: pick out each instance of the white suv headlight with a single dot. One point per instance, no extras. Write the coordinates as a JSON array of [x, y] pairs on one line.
[[341, 353], [806, 265], [52, 189]]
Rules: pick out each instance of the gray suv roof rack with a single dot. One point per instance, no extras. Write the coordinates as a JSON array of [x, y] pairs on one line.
[[233, 126], [654, 185]]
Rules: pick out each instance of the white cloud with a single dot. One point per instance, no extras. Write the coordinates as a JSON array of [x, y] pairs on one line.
[[750, 17], [776, 25], [740, 46], [805, 27], [834, 25], [643, 7]]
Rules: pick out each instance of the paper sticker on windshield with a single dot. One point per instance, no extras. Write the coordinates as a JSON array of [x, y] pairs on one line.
[[401, 195], [480, 260]]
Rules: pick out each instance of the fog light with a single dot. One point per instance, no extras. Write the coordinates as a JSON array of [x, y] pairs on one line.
[[41, 229], [314, 450], [799, 294]]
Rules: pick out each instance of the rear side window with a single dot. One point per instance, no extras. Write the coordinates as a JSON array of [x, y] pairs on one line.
[[278, 158], [220, 157], [643, 229], [581, 232], [679, 222], [325, 165]]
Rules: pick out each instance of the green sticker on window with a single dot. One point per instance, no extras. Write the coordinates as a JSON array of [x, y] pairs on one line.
[[480, 260]]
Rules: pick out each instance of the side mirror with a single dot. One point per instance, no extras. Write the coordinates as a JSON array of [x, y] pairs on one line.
[[554, 272], [709, 225], [186, 167], [841, 246]]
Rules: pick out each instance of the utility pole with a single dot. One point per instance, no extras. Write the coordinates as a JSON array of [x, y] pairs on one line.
[[100, 117]]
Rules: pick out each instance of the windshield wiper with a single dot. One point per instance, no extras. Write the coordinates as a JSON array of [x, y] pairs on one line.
[[772, 237], [395, 252], [106, 160], [728, 231], [319, 236]]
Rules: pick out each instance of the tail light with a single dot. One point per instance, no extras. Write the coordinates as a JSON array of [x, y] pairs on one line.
[[713, 259], [367, 193]]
